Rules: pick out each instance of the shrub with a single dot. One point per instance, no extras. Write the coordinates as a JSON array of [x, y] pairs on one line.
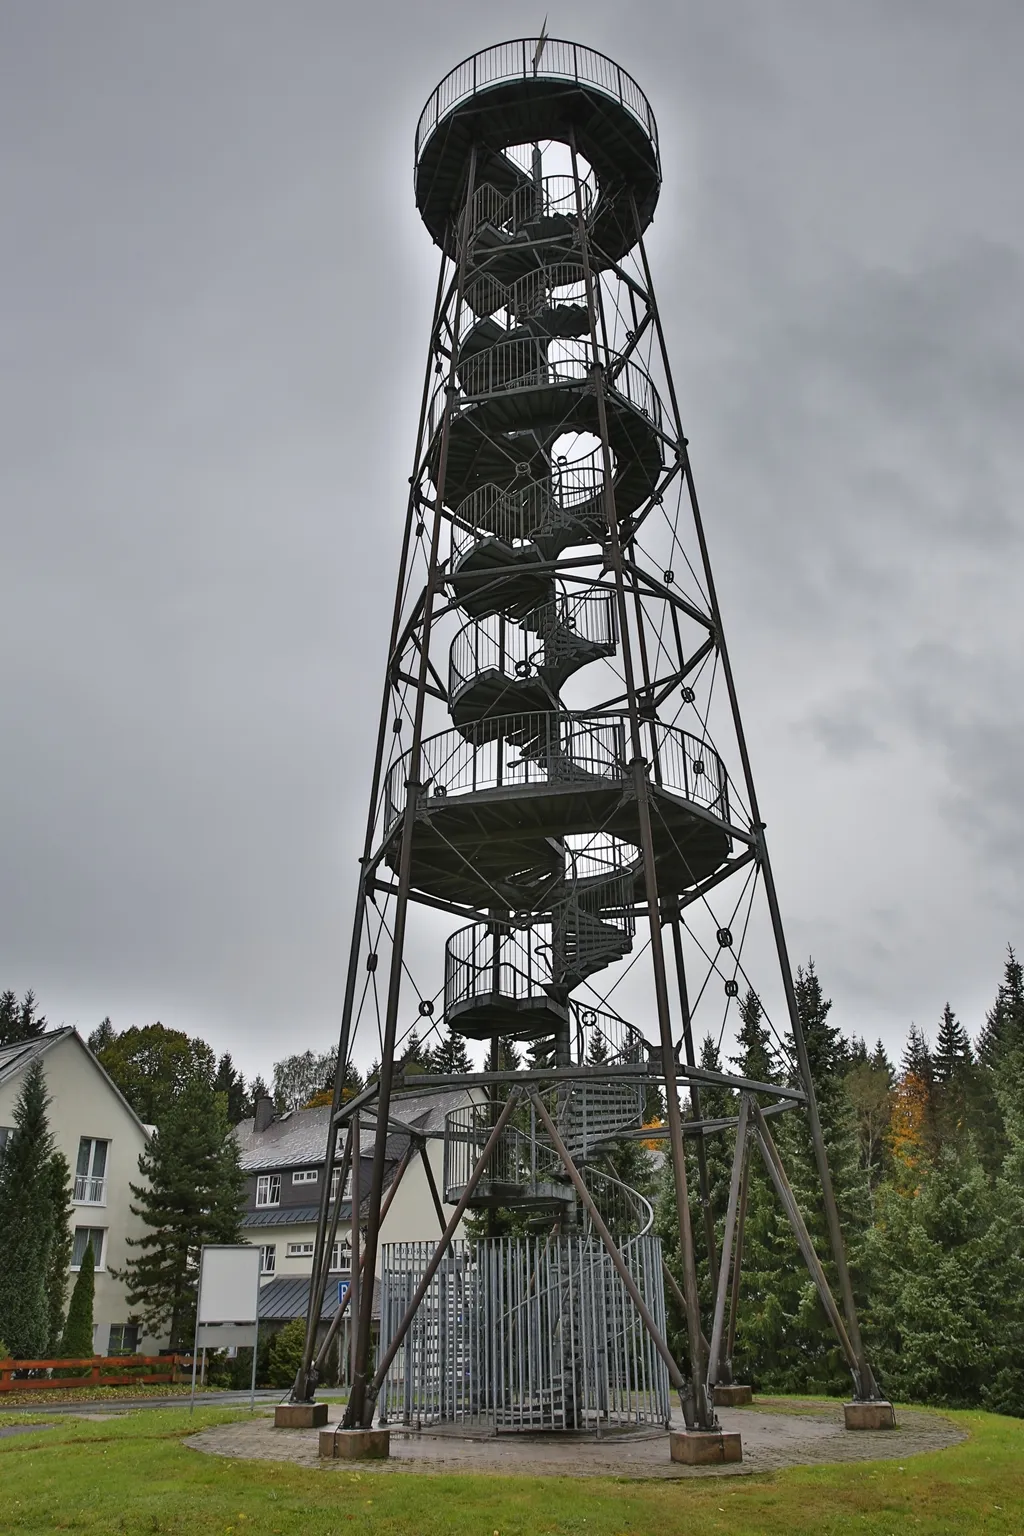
[[286, 1352]]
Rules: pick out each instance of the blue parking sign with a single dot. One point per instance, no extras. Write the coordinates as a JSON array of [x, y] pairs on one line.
[[342, 1291]]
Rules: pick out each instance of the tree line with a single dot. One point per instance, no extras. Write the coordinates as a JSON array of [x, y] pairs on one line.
[[927, 1160]]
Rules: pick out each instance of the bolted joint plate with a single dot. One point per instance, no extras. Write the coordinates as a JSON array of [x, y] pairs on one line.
[[704, 1447], [873, 1414], [355, 1444]]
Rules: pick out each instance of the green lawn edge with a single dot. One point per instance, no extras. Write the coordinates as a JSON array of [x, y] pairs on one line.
[[133, 1474]]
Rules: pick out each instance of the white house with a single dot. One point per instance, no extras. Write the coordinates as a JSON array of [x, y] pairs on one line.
[[283, 1158], [101, 1136]]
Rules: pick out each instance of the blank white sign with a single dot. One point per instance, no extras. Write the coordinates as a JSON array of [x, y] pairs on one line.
[[229, 1284]]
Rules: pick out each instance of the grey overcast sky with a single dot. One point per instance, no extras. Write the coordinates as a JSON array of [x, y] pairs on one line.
[[216, 296]]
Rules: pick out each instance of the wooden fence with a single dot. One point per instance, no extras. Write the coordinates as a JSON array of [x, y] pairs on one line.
[[97, 1371]]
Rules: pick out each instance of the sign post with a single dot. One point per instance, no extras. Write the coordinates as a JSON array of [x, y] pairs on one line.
[[227, 1307]]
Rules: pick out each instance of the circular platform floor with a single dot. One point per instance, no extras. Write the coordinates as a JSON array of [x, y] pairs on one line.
[[773, 1437]]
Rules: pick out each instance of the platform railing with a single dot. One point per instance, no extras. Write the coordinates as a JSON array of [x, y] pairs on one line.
[[537, 749], [480, 963], [556, 59], [511, 366]]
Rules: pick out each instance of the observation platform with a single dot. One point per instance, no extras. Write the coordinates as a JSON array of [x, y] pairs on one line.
[[528, 91], [488, 808]]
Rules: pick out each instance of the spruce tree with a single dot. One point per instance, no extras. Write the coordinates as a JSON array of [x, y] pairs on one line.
[[76, 1340], [102, 1037], [257, 1090], [28, 1176], [1003, 1030], [817, 1360], [1000, 1040], [61, 1241], [192, 1195], [19, 1021], [770, 1262], [754, 1043], [231, 1084], [954, 1074], [451, 1056], [946, 1271]]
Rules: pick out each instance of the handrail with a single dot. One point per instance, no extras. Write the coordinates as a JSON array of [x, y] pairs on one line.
[[553, 638], [511, 366], [526, 297], [556, 59], [521, 514], [555, 748], [551, 197]]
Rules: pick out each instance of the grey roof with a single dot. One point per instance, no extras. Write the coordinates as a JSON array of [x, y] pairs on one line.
[[14, 1058], [299, 1139], [291, 1216], [283, 1300]]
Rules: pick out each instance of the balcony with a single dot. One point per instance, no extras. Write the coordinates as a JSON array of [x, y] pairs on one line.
[[89, 1191]]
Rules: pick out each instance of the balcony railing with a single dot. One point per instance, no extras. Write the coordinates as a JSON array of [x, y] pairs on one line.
[[90, 1191], [558, 60]]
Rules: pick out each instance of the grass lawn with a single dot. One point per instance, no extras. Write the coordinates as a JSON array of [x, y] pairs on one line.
[[134, 1475]]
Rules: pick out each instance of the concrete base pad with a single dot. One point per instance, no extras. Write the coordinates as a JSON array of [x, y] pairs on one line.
[[300, 1415], [735, 1395], [704, 1447], [873, 1415], [355, 1444]]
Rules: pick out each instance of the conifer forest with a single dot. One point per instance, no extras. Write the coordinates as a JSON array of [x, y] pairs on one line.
[[927, 1158]]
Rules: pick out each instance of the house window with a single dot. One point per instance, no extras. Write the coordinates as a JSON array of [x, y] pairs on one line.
[[341, 1254], [124, 1339], [305, 1176], [300, 1250], [91, 1172], [268, 1189], [335, 1180], [83, 1237], [268, 1258]]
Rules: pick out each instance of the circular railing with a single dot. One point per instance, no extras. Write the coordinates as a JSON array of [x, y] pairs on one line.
[[529, 58], [539, 749], [509, 366]]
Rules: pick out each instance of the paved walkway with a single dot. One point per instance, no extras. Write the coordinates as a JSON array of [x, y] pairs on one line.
[[771, 1440]]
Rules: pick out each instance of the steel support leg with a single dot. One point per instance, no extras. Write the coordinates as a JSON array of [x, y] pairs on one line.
[[738, 1161]]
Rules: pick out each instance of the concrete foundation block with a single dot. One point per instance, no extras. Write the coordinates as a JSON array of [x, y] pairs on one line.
[[300, 1415], [355, 1444], [873, 1415], [735, 1395], [704, 1447]]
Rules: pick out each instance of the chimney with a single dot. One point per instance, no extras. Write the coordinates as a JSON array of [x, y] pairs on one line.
[[264, 1114]]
